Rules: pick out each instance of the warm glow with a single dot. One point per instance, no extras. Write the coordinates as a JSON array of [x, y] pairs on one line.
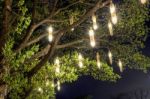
[[98, 60], [50, 33], [57, 63], [110, 56], [113, 13], [92, 38], [110, 28], [95, 27], [112, 8], [57, 69], [94, 18], [40, 89], [72, 29], [58, 85], [71, 22], [143, 1], [114, 19], [120, 65], [80, 58], [93, 43]]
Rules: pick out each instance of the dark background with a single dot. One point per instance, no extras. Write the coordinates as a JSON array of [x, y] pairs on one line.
[[86, 85]]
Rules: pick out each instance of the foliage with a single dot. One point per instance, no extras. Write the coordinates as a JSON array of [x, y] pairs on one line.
[[129, 36]]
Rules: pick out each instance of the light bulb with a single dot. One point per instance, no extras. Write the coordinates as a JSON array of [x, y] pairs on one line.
[[50, 33], [92, 38], [114, 19], [93, 43], [120, 65], [143, 1], [98, 60], [112, 8], [80, 59], [80, 64], [94, 18], [110, 28], [40, 89], [110, 56], [57, 69], [58, 85], [57, 63], [72, 29], [91, 32], [95, 27]]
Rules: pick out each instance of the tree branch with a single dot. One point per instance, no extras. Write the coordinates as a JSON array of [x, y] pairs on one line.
[[59, 35], [69, 44], [68, 6]]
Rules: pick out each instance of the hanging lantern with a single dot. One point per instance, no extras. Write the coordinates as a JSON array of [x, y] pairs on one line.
[[112, 8], [58, 85], [110, 56], [113, 13], [143, 1], [110, 27], [98, 60], [114, 19], [120, 65], [80, 59], [50, 33], [71, 22], [92, 38], [95, 27], [57, 63]]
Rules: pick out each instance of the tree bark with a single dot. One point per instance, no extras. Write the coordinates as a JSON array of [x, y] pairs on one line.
[[3, 39]]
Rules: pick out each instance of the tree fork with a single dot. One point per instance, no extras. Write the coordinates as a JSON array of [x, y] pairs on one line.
[[60, 33]]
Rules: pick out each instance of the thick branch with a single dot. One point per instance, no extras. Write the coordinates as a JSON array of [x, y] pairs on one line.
[[59, 35], [31, 30], [44, 51], [5, 26]]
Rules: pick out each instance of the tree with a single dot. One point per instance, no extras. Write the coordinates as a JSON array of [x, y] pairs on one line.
[[27, 60]]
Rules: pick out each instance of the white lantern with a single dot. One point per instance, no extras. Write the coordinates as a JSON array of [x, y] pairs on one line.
[[120, 65], [57, 63], [98, 60], [110, 27], [92, 38], [58, 85], [80, 59], [95, 27], [50, 33], [110, 56], [143, 1]]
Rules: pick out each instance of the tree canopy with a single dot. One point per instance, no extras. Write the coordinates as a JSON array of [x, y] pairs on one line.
[[42, 42]]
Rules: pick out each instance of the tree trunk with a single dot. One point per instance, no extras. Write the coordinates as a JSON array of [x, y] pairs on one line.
[[3, 38]]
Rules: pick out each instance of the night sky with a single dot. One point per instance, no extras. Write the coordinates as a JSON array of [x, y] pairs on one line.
[[131, 80]]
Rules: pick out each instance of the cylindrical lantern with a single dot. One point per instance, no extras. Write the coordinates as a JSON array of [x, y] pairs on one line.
[[92, 38], [98, 60], [50, 33]]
